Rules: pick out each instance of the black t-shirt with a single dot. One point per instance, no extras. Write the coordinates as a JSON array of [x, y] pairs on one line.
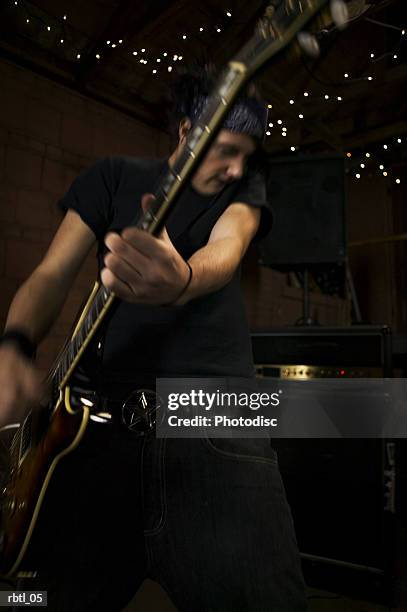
[[209, 335]]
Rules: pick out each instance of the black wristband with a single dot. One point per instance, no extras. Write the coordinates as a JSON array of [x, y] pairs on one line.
[[20, 340], [179, 296]]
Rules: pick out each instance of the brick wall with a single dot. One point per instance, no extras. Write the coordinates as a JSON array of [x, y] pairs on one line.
[[48, 134]]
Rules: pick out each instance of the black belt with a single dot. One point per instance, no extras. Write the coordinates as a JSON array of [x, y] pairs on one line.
[[137, 413]]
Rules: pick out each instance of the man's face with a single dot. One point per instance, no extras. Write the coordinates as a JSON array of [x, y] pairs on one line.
[[224, 163]]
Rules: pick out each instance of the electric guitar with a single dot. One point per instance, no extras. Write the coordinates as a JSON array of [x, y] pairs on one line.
[[48, 433]]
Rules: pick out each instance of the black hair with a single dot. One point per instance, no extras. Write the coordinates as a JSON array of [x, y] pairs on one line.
[[191, 83]]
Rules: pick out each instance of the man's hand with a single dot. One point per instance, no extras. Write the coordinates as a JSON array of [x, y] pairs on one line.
[[143, 269], [20, 385]]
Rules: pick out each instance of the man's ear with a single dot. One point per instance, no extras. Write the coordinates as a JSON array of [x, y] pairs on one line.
[[184, 127]]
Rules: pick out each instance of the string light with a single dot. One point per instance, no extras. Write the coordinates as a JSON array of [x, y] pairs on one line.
[[165, 54], [348, 154], [97, 56], [169, 68], [291, 101], [279, 121], [269, 106], [367, 154], [385, 147], [184, 36], [385, 173], [268, 133], [228, 13], [362, 165], [398, 181], [143, 50], [134, 52], [271, 125], [339, 98], [306, 94], [301, 116], [283, 133], [293, 149], [357, 176], [381, 167], [346, 75], [154, 71], [218, 30], [399, 140], [78, 56], [201, 29], [64, 17]]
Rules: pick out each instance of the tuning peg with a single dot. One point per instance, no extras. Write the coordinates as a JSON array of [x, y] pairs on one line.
[[339, 12], [308, 43]]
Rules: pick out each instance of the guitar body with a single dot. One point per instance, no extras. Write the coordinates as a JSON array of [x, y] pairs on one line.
[[27, 483]]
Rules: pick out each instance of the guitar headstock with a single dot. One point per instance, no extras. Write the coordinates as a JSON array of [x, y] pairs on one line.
[[284, 22]]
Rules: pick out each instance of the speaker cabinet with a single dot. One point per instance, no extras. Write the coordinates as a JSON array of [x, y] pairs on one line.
[[308, 199]]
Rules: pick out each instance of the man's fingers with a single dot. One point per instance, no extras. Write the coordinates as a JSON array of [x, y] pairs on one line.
[[144, 243], [121, 289], [135, 260], [146, 201]]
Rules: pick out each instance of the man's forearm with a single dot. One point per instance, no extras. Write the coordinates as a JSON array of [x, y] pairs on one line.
[[36, 305], [212, 268]]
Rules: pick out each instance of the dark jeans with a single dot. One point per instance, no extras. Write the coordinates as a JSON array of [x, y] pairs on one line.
[[206, 519]]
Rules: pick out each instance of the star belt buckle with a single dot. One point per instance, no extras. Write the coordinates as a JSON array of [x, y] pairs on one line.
[[139, 411]]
